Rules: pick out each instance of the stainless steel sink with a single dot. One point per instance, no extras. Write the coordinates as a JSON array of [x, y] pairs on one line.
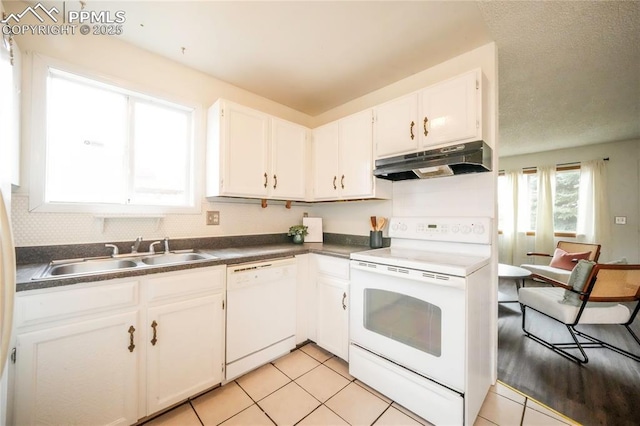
[[164, 259], [89, 267]]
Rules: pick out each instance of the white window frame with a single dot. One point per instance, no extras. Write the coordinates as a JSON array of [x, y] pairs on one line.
[[40, 65]]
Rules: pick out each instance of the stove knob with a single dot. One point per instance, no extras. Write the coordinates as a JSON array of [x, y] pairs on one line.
[[466, 229], [403, 227], [455, 229]]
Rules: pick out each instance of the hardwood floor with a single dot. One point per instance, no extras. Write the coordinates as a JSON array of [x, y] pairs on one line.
[[605, 391]]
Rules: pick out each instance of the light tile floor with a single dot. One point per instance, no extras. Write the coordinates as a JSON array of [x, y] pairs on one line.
[[310, 386]]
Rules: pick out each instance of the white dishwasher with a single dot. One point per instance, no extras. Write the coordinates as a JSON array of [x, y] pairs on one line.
[[261, 314]]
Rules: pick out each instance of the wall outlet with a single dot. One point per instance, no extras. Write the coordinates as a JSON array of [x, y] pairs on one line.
[[213, 217], [621, 220], [305, 214]]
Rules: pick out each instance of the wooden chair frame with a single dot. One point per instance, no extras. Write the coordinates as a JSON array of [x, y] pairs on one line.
[[594, 291]]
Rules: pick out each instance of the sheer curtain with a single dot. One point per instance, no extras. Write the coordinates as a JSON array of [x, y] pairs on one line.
[[544, 241], [594, 224], [512, 249]]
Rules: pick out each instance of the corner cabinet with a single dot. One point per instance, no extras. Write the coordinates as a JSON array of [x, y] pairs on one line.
[[112, 352], [332, 305], [343, 160], [251, 154], [444, 113]]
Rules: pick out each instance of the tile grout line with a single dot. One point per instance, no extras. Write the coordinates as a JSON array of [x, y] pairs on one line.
[[195, 411], [381, 414], [524, 408]]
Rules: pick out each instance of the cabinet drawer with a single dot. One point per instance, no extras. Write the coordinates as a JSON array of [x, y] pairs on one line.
[[333, 266], [32, 309], [186, 283]]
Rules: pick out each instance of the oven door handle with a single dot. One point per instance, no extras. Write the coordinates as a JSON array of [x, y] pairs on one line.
[[410, 274]]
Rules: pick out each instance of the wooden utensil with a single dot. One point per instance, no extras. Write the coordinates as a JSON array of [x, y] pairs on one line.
[[381, 222], [373, 223]]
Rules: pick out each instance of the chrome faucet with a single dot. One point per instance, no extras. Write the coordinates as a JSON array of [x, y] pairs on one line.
[[114, 247], [152, 249], [136, 245], [166, 244]]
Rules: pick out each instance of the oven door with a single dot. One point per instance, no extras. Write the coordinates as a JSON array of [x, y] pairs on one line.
[[413, 318]]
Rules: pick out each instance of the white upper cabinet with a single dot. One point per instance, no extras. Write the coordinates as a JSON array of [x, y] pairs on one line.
[[251, 154], [343, 160], [451, 111], [288, 160], [325, 161], [396, 130], [355, 155], [445, 113]]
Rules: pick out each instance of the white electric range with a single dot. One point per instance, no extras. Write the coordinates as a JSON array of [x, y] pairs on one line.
[[420, 326]]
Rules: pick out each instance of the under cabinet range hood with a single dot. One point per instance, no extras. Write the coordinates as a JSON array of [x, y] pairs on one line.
[[472, 157]]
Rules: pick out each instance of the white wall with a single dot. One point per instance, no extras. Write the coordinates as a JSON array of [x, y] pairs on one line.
[[623, 178]]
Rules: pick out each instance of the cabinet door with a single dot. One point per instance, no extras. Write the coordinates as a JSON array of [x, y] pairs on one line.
[[245, 134], [450, 111], [184, 351], [288, 160], [332, 328], [80, 373], [356, 155], [325, 159], [396, 127]]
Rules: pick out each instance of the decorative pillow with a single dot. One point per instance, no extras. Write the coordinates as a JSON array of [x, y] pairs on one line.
[[563, 260], [577, 281]]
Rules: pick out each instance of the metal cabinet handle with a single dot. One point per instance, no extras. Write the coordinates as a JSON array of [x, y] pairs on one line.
[[344, 297], [334, 182], [342, 182], [131, 345], [275, 180], [265, 180], [424, 126], [411, 130], [154, 324]]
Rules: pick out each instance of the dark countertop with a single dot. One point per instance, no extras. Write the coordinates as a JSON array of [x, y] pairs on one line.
[[224, 256]]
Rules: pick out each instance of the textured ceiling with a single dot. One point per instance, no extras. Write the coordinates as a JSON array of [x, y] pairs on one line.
[[569, 71]]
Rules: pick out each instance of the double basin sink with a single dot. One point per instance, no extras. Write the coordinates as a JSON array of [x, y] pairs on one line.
[[62, 269]]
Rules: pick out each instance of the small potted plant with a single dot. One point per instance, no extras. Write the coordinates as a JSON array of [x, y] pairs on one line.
[[298, 232]]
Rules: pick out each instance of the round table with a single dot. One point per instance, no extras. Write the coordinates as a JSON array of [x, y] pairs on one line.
[[515, 273]]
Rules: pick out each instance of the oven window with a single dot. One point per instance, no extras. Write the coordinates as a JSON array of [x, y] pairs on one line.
[[404, 319]]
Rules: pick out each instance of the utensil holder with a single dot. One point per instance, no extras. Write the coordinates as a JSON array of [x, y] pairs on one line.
[[375, 239]]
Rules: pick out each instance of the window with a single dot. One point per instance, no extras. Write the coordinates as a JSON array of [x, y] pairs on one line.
[[110, 149], [565, 210]]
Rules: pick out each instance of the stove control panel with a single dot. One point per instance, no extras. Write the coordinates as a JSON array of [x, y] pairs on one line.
[[454, 229]]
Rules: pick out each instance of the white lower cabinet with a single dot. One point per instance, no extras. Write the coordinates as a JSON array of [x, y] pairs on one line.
[[87, 354], [77, 352], [332, 305], [82, 373], [185, 337]]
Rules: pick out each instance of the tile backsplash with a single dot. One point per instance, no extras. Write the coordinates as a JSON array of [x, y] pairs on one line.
[[35, 229]]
